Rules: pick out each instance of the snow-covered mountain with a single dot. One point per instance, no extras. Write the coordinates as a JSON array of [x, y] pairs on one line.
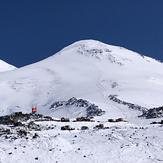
[[5, 66], [87, 69], [87, 78]]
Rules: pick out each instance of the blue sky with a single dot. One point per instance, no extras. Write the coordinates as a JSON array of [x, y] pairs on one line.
[[31, 30]]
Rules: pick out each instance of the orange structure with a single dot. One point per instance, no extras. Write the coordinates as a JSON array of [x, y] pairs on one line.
[[34, 109]]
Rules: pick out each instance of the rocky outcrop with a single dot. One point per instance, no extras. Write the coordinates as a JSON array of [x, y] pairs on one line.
[[153, 113], [84, 128], [98, 53], [19, 125], [17, 118], [88, 109], [67, 127], [161, 122], [99, 126], [82, 119], [129, 105], [117, 120]]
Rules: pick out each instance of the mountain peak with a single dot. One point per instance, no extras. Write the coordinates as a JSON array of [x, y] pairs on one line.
[[102, 51], [5, 66], [90, 43]]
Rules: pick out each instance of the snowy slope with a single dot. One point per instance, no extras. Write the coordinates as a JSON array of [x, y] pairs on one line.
[[5, 66], [122, 143], [86, 69]]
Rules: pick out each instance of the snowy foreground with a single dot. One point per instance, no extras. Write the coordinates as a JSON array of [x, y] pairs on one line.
[[90, 79], [116, 142]]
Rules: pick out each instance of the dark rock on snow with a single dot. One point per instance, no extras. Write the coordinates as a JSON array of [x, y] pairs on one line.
[[91, 109], [82, 119], [67, 127], [84, 128], [17, 118], [100, 126], [65, 119], [129, 105], [153, 113]]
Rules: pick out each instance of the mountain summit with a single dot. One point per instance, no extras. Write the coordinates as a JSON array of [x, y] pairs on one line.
[[5, 66], [99, 50]]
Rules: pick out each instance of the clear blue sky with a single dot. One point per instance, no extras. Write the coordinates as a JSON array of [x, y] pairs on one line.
[[31, 30]]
